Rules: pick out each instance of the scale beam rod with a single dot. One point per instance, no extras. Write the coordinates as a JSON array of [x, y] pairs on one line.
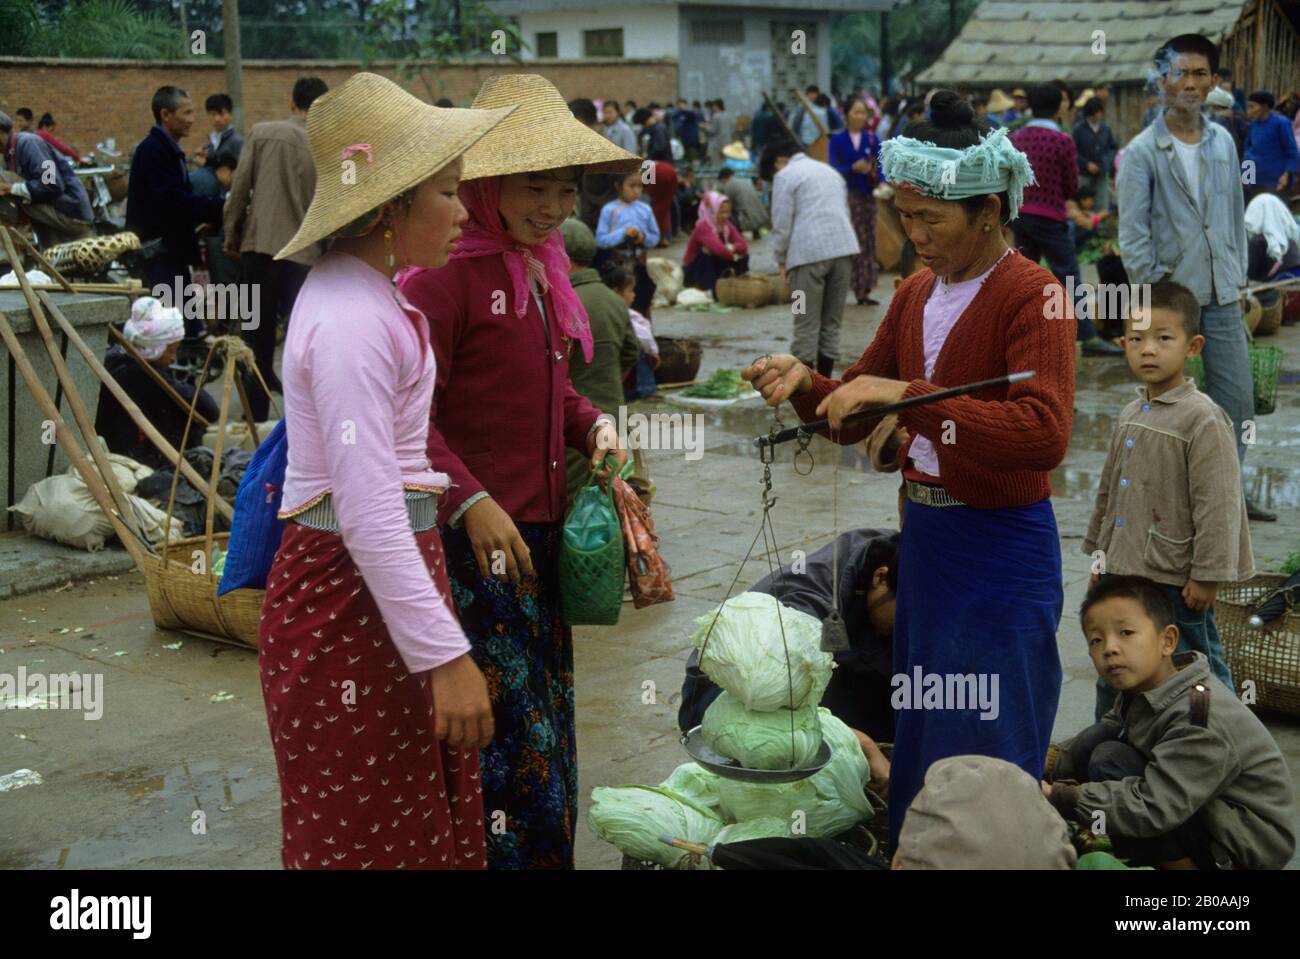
[[765, 443]]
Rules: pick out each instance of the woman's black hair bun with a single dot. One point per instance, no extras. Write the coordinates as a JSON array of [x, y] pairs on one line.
[[948, 111]]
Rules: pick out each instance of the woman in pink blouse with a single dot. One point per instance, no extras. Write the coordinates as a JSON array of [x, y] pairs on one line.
[[376, 711], [716, 245]]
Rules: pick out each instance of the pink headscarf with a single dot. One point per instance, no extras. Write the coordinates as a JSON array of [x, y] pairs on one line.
[[709, 205], [547, 264]]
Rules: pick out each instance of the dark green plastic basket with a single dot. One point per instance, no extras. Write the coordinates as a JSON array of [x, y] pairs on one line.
[[1265, 368], [591, 580]]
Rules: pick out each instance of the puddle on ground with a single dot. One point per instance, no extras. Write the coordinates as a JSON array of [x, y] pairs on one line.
[[158, 822]]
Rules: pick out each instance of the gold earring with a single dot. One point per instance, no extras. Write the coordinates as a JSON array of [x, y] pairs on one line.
[[986, 229], [388, 245]]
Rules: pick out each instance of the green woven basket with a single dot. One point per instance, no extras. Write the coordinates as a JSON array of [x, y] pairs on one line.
[[591, 559], [1265, 368]]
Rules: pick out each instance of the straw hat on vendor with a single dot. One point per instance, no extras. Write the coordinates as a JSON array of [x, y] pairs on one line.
[[504, 318], [974, 311], [999, 102], [360, 499]]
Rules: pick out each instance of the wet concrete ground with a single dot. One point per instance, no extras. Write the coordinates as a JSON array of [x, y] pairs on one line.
[[123, 791]]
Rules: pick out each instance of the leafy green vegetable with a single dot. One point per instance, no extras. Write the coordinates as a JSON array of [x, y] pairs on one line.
[[634, 817], [768, 827], [694, 782], [722, 385], [746, 653], [831, 802], [761, 740]]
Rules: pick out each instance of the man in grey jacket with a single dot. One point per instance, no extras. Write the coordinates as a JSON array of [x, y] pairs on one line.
[[814, 243], [1182, 218], [54, 198]]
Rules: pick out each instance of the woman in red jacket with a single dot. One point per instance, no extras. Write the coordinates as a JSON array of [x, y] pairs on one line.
[[979, 583], [503, 318], [716, 245]]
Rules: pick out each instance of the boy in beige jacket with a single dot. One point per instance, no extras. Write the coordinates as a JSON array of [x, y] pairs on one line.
[[1169, 506]]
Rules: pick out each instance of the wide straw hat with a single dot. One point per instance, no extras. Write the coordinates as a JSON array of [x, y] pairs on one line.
[[999, 102], [372, 141], [542, 134]]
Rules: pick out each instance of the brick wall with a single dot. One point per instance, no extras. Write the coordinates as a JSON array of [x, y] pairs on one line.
[[95, 99]]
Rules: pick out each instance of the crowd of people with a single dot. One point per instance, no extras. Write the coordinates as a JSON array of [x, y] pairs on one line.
[[466, 295]]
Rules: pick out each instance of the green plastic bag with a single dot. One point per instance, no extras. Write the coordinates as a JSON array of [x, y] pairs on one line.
[[591, 559]]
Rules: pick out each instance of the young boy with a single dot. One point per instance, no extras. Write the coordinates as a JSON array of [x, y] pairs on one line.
[[1179, 774], [627, 228], [1169, 506]]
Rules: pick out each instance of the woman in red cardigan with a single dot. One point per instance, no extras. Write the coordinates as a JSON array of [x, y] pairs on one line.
[[716, 245], [979, 584], [502, 319]]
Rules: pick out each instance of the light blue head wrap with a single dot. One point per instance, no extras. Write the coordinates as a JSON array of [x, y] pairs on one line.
[[993, 165]]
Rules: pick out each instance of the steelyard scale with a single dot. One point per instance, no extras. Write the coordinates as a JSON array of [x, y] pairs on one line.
[[834, 633]]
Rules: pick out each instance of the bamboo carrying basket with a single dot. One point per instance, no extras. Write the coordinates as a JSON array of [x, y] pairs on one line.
[[181, 585], [1268, 657], [749, 291]]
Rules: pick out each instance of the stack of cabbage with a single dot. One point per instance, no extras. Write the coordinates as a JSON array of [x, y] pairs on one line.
[[749, 722]]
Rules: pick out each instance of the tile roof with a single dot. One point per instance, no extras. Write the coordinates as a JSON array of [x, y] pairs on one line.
[[1019, 43]]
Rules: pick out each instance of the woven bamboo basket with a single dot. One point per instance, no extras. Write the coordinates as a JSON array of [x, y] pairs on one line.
[[183, 599], [1268, 657], [749, 291], [679, 359], [780, 288], [1270, 318], [181, 585]]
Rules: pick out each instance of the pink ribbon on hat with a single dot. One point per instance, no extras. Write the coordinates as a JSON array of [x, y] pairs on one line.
[[366, 148]]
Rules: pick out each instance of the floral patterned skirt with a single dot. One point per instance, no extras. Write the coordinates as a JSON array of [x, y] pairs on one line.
[[530, 770]]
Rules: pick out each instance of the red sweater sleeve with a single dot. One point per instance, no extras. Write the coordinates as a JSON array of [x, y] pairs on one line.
[[709, 240], [737, 239], [1030, 429], [880, 359]]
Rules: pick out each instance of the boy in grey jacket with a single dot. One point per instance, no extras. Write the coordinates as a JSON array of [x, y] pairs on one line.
[[1169, 504], [1179, 774]]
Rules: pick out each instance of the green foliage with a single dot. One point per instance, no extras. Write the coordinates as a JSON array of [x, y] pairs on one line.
[[918, 35], [110, 29]]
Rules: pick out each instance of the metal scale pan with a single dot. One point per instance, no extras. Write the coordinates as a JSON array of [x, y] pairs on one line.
[[728, 768]]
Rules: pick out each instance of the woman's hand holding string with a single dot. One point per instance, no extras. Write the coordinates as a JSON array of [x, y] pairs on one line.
[[461, 707], [860, 393], [778, 377], [498, 547]]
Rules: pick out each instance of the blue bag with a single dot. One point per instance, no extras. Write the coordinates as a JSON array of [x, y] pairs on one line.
[[257, 529]]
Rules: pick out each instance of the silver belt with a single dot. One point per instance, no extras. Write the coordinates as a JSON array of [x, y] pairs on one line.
[[421, 510], [931, 495]]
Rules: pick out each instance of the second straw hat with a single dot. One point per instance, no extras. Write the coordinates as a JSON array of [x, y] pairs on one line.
[[372, 141], [542, 133]]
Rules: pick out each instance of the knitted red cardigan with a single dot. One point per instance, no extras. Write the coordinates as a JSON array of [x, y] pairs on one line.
[[1004, 442]]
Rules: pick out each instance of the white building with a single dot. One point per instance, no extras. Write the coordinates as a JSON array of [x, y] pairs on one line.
[[733, 50]]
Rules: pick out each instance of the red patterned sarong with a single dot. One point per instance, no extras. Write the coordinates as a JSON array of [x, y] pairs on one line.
[[364, 783]]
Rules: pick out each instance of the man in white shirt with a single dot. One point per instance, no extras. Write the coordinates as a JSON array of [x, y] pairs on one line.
[[814, 244]]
